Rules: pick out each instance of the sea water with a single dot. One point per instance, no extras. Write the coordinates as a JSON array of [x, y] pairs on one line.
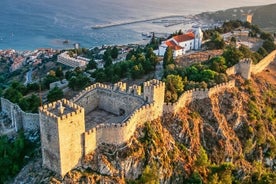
[[29, 24]]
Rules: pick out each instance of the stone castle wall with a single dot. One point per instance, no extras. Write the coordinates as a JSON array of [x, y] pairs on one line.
[[49, 142], [264, 62], [119, 133], [30, 121], [195, 94], [136, 105], [19, 118], [243, 68], [246, 66], [109, 99]]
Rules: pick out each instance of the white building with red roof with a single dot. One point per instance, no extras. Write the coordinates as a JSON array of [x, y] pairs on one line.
[[180, 44]]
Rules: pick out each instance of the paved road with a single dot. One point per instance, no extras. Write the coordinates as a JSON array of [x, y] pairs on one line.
[[29, 77]]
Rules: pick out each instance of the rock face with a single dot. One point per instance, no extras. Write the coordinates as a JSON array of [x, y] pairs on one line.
[[233, 129]]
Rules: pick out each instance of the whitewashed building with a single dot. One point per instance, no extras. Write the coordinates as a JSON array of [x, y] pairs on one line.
[[180, 44], [65, 59]]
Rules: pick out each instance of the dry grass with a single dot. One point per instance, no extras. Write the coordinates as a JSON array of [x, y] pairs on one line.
[[197, 57], [269, 74]]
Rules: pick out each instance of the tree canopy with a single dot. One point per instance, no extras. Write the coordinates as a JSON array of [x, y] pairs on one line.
[[168, 57], [174, 87], [55, 94], [138, 62]]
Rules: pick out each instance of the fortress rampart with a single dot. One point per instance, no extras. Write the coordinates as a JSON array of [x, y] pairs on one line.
[[110, 99], [195, 94], [246, 67], [19, 118], [264, 62], [118, 133]]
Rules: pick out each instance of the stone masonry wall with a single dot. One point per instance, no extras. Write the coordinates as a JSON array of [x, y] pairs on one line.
[[119, 133], [112, 101], [50, 142], [30, 121], [264, 62], [71, 129], [245, 68], [191, 95], [109, 99], [19, 118]]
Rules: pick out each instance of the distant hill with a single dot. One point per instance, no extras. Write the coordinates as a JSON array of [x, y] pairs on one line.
[[263, 16]]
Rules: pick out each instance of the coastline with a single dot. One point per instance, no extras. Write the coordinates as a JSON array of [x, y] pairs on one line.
[[121, 33], [125, 32]]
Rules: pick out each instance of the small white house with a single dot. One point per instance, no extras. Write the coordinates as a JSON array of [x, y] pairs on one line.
[[180, 44]]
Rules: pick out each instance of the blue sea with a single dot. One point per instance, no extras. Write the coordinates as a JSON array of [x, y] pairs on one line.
[[31, 24]]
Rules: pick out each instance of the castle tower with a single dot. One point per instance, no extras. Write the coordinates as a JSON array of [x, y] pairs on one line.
[[154, 92], [245, 67], [61, 128]]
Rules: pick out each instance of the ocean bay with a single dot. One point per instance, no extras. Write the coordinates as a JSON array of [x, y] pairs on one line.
[[26, 25]]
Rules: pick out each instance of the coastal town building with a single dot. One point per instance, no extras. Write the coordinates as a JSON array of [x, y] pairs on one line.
[[18, 59], [7, 53], [17, 63], [65, 59], [180, 44]]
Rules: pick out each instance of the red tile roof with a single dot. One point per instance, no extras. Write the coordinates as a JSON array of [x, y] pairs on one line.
[[172, 45], [184, 37]]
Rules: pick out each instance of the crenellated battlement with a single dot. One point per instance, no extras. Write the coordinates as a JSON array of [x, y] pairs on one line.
[[119, 86], [246, 67], [194, 94], [61, 110], [136, 90], [246, 60], [154, 84]]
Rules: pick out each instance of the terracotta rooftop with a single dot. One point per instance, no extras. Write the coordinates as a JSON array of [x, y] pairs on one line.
[[173, 45], [184, 37]]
